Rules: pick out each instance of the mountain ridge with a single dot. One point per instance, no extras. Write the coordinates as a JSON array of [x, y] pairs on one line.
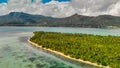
[[24, 19]]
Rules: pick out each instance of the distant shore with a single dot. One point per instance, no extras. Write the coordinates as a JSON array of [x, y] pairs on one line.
[[61, 54]]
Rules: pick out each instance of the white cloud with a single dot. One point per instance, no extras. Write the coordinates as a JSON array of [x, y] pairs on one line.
[[94, 7], [115, 10], [57, 9], [3, 9], [63, 9]]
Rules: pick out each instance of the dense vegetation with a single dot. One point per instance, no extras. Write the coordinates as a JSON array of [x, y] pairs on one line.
[[23, 19], [103, 50]]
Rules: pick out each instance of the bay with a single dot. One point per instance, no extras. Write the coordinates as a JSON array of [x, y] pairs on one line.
[[16, 52]]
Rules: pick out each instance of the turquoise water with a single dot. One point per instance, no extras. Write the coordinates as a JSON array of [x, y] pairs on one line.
[[16, 52], [114, 32]]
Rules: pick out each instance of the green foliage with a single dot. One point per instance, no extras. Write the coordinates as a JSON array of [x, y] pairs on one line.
[[103, 50], [23, 19]]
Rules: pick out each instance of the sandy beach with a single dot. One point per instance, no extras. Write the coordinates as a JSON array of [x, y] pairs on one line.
[[74, 59]]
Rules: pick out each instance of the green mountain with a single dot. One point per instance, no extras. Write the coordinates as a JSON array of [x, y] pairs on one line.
[[24, 19]]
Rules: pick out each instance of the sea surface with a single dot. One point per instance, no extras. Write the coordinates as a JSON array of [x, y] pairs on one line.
[[16, 52]]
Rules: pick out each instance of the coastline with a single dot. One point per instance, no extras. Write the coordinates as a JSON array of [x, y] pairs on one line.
[[61, 54]]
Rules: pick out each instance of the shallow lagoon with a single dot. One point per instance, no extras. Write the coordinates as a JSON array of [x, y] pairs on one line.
[[16, 52]]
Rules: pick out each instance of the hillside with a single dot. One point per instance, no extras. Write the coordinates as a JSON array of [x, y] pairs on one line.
[[24, 19]]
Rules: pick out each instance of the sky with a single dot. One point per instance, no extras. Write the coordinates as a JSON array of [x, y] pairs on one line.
[[44, 1], [2, 1], [61, 8]]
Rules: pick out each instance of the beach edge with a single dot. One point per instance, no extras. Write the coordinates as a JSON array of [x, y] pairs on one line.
[[62, 54]]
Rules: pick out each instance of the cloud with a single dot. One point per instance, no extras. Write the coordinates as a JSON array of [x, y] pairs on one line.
[[57, 9], [63, 9], [115, 9], [3, 9], [94, 7]]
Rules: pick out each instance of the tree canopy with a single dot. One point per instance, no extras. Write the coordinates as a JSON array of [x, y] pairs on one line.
[[103, 50]]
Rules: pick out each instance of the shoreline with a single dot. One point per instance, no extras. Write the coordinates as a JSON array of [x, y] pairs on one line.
[[61, 54], [107, 27]]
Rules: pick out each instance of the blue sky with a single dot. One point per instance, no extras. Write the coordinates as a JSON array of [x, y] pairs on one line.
[[44, 1], [1, 1]]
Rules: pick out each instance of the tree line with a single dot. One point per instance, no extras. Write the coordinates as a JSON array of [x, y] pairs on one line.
[[103, 50]]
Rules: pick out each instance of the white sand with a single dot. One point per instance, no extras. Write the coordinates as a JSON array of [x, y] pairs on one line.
[[59, 53]]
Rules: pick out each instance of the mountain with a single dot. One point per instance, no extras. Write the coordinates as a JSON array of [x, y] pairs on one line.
[[24, 19]]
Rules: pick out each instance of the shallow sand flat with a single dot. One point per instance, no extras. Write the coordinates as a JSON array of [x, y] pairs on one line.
[[16, 52]]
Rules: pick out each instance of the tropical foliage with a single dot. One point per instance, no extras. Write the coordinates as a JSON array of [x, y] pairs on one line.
[[103, 50]]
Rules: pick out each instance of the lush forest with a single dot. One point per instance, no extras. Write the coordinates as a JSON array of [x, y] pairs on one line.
[[24, 19], [103, 50]]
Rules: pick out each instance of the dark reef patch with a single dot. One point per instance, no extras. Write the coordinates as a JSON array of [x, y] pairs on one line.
[[32, 59], [24, 60], [40, 65], [30, 66]]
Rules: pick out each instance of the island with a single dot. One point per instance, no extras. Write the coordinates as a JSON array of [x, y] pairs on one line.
[[101, 51]]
